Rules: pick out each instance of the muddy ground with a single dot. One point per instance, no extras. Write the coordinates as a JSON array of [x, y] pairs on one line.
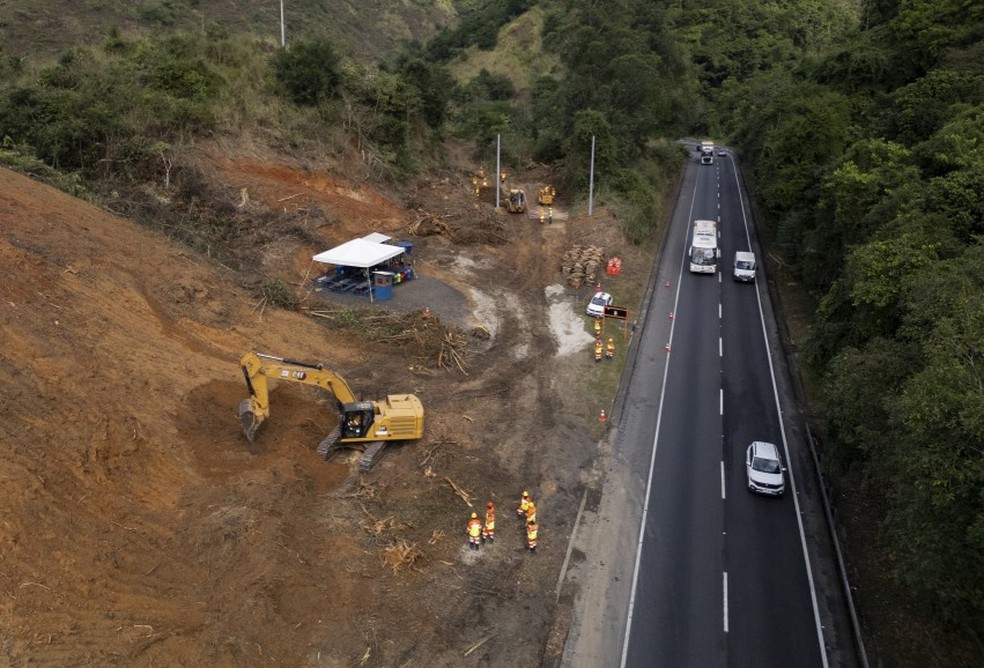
[[137, 526]]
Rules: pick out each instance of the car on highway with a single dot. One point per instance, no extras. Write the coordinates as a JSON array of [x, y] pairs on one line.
[[722, 152], [596, 307], [764, 469]]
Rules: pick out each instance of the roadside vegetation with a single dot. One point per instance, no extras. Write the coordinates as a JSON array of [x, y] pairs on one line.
[[867, 157], [862, 123]]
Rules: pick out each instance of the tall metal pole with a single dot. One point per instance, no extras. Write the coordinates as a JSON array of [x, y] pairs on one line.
[[591, 179], [283, 32], [498, 168]]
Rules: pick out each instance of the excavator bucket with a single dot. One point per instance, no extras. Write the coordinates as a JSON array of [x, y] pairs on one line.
[[248, 419]]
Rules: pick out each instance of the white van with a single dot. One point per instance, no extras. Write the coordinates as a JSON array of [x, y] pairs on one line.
[[745, 267]]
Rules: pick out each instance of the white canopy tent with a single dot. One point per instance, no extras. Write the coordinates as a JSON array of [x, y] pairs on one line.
[[360, 253]]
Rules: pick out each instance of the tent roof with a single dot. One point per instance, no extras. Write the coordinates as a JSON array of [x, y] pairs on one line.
[[358, 253], [377, 237]]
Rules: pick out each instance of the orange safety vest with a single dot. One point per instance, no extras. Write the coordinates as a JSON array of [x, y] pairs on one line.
[[474, 528], [524, 503], [490, 520], [611, 348], [531, 513], [531, 532]]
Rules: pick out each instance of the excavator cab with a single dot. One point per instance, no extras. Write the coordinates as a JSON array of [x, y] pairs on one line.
[[357, 419]]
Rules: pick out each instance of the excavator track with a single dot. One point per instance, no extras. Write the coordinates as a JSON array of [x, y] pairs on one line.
[[329, 446], [372, 454]]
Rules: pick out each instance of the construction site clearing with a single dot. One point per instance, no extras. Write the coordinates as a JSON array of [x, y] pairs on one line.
[[141, 526]]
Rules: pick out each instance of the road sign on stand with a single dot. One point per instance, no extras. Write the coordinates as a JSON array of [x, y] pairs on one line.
[[617, 312]]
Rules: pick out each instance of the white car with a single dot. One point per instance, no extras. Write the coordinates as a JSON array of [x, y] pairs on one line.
[[722, 152], [596, 307], [764, 469]]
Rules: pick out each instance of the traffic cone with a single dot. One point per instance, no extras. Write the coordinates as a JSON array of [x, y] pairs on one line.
[[671, 315], [667, 284], [667, 347], [427, 312], [602, 417], [598, 287]]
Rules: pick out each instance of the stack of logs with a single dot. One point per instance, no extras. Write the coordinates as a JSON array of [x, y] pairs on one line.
[[581, 264]]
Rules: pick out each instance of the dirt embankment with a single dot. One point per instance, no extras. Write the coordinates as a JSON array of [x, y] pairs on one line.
[[138, 526]]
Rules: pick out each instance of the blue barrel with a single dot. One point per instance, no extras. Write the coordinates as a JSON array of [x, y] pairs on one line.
[[382, 285]]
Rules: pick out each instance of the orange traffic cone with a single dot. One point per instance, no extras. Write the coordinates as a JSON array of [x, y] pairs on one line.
[[667, 284], [671, 315], [427, 312], [667, 347], [602, 417]]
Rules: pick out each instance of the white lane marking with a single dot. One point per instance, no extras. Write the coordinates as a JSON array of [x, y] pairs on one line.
[[652, 458], [721, 401], [720, 347], [725, 590], [722, 482], [719, 310], [785, 443]]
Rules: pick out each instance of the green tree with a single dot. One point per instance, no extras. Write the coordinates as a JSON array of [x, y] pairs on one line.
[[308, 71], [810, 134]]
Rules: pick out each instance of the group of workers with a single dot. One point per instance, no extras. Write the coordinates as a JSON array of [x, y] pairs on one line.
[[479, 533], [607, 348], [481, 178]]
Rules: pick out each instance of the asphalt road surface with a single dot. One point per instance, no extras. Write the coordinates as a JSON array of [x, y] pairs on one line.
[[711, 574]]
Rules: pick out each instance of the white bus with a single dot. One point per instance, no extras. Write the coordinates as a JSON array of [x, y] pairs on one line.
[[704, 251]]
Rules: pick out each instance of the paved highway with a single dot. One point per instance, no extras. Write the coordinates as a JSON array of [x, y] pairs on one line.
[[723, 577]]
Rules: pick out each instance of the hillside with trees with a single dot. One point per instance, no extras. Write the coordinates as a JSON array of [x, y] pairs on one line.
[[860, 123]]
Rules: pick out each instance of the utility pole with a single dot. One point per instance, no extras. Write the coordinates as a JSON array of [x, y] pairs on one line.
[[283, 33], [591, 179], [498, 168]]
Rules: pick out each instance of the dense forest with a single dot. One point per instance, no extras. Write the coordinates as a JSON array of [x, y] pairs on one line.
[[861, 122]]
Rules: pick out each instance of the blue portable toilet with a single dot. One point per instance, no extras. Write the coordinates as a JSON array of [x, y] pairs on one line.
[[383, 285], [407, 247]]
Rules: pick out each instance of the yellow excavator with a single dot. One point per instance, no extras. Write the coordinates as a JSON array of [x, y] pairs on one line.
[[399, 417], [545, 196]]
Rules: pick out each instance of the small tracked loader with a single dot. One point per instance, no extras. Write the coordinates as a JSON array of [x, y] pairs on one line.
[[372, 424]]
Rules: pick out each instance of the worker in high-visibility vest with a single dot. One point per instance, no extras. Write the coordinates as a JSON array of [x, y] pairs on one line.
[[474, 531], [488, 531], [524, 503], [610, 349], [531, 513], [597, 326], [532, 530], [598, 347]]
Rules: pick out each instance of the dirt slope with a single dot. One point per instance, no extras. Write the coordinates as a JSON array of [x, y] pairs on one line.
[[138, 527]]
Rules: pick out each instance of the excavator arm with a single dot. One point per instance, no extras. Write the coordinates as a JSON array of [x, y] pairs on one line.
[[258, 368]]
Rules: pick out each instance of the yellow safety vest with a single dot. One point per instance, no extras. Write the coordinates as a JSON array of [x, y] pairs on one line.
[[474, 528], [531, 534]]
